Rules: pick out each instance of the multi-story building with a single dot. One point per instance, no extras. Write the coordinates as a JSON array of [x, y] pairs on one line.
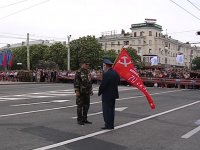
[[147, 38]]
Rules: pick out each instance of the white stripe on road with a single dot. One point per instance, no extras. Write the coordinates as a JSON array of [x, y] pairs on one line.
[[57, 108], [97, 113], [47, 94], [191, 133], [12, 99], [117, 127], [54, 101]]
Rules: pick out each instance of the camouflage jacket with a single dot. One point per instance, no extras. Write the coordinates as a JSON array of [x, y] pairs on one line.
[[82, 81]]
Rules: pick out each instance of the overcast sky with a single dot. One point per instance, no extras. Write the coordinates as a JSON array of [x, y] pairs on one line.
[[58, 18]]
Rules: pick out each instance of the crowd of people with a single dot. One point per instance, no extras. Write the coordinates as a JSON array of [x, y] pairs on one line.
[[41, 75], [171, 73]]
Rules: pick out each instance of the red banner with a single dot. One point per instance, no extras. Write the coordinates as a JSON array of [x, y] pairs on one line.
[[4, 64], [125, 68]]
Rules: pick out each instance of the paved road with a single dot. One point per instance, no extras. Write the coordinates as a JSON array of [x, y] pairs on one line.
[[42, 117]]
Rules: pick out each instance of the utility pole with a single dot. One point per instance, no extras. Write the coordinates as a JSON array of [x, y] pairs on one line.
[[68, 53], [28, 52]]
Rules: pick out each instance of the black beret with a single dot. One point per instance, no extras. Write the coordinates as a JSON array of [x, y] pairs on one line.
[[107, 61]]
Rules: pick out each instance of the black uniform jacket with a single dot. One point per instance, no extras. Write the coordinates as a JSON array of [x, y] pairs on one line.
[[109, 86]]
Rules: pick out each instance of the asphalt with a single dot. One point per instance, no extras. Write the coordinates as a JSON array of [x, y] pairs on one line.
[[41, 117]]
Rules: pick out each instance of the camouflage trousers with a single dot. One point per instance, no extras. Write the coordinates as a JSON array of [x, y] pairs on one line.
[[83, 104]]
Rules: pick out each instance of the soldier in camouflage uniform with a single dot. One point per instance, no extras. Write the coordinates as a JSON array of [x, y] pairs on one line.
[[83, 90]]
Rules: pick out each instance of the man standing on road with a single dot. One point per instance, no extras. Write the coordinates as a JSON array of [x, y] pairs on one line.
[[109, 91], [83, 90]]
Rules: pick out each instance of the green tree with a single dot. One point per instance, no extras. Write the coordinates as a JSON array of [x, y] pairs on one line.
[[57, 53], [85, 48], [196, 63], [111, 54], [135, 57], [20, 56], [37, 53]]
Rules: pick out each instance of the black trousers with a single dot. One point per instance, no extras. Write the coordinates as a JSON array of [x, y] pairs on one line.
[[83, 104], [109, 113]]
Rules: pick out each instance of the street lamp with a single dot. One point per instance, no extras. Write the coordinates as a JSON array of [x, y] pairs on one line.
[[68, 53]]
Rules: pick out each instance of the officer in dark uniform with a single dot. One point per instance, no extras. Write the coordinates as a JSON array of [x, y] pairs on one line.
[[109, 91], [83, 90]]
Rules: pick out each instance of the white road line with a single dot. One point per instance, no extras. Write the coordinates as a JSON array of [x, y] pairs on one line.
[[57, 108], [116, 128], [45, 94], [191, 133], [54, 101], [12, 99], [97, 113], [29, 97]]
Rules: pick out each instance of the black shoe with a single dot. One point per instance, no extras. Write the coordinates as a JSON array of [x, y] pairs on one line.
[[80, 123], [107, 128], [87, 122]]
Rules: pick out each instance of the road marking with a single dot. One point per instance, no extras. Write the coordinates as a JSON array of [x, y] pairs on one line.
[[97, 113], [116, 128], [46, 94], [12, 99], [57, 108], [197, 122], [54, 101], [191, 133]]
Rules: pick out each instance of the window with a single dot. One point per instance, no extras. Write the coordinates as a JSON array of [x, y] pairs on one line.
[[150, 33], [149, 50], [139, 41], [112, 44], [139, 50], [126, 42], [150, 42], [118, 43], [141, 33], [156, 34], [166, 44], [165, 60], [133, 42], [135, 34]]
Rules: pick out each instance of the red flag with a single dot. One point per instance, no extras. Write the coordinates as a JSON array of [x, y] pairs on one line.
[[4, 64], [125, 68], [11, 61]]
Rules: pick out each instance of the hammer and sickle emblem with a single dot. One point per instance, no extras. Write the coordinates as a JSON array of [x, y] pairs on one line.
[[125, 63]]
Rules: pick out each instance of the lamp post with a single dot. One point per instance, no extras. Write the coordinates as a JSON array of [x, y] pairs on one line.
[[68, 53]]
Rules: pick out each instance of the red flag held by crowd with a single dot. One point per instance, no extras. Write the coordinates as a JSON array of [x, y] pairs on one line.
[[4, 64], [125, 68]]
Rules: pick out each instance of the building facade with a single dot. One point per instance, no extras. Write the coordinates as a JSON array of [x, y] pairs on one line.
[[148, 40]]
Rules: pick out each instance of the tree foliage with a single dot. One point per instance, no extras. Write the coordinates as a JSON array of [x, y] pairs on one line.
[[37, 53], [85, 48], [135, 57], [20, 56], [196, 63], [58, 54], [111, 54]]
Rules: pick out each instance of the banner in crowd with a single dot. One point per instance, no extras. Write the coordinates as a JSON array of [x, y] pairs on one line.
[[6, 58], [154, 60], [180, 58], [125, 68]]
